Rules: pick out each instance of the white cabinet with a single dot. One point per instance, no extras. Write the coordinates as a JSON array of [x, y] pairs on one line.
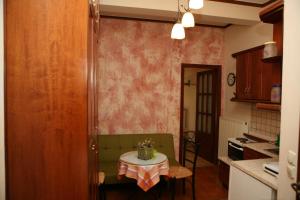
[[245, 187]]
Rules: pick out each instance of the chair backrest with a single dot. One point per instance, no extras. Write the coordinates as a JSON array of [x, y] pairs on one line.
[[190, 146]]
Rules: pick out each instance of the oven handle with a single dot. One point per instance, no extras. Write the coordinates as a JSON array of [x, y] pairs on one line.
[[241, 149]]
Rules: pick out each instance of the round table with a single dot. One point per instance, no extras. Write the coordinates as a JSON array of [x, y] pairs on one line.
[[146, 172]]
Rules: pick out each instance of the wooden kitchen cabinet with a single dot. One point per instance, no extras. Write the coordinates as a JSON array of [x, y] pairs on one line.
[[242, 73], [224, 173], [254, 78], [250, 154]]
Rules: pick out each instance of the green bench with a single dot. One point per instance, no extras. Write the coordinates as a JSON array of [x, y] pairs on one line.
[[112, 146]]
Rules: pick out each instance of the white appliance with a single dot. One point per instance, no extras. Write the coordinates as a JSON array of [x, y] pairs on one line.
[[272, 168], [244, 187], [236, 147]]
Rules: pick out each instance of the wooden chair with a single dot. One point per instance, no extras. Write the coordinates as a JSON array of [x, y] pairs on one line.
[[182, 172], [101, 179]]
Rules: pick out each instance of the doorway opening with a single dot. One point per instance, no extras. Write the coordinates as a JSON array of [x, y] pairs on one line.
[[200, 108]]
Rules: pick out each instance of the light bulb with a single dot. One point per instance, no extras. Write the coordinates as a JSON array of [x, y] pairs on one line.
[[195, 4], [188, 20], [178, 31]]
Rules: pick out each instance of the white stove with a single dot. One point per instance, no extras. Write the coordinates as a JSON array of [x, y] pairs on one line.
[[241, 141], [236, 147]]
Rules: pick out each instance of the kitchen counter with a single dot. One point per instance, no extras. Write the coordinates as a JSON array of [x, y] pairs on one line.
[[225, 159], [261, 148], [254, 168]]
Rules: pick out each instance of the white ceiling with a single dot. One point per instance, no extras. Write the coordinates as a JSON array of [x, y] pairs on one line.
[[213, 12]]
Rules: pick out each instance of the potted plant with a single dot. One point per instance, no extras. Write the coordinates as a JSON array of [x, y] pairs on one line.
[[145, 149]]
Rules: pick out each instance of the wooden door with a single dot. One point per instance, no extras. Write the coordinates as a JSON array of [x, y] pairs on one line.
[[206, 104], [46, 99], [93, 32]]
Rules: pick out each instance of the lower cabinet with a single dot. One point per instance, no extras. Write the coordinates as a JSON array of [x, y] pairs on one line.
[[250, 154], [224, 173], [244, 187]]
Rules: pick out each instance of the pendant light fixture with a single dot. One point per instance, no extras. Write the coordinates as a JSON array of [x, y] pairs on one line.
[[178, 32], [188, 20], [196, 4]]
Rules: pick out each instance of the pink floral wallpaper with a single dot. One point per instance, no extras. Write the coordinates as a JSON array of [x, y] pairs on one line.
[[139, 75]]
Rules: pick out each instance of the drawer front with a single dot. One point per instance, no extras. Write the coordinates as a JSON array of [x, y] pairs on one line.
[[250, 154]]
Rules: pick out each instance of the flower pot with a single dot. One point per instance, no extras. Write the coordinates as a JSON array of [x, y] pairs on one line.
[[145, 153]]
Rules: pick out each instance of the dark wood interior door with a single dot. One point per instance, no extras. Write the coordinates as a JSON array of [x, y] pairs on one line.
[[46, 99], [206, 113]]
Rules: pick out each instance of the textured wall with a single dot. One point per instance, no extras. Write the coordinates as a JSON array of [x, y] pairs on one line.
[[140, 73]]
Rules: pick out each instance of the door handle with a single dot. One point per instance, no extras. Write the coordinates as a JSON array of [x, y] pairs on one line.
[[93, 147], [241, 149], [296, 187]]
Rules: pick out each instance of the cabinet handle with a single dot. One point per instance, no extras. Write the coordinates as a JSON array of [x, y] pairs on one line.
[[93, 147]]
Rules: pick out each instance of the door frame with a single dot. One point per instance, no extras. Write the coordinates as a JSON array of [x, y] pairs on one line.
[[218, 69]]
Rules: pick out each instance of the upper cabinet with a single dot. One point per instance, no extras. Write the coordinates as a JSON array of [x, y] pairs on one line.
[[256, 75], [273, 14], [254, 78]]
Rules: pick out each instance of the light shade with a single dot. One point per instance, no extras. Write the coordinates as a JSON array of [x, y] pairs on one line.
[[178, 32], [188, 20], [195, 4]]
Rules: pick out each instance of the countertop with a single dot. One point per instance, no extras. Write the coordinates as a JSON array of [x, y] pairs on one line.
[[254, 168]]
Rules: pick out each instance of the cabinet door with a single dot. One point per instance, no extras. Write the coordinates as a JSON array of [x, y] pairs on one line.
[[262, 80], [254, 75], [224, 173], [242, 70], [250, 154]]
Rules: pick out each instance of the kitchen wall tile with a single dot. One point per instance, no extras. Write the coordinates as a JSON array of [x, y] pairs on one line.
[[266, 123]]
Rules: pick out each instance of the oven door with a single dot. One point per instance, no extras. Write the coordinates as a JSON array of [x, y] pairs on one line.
[[235, 152]]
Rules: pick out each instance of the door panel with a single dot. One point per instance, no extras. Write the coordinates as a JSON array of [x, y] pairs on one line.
[[46, 99], [254, 75], [241, 75], [205, 113]]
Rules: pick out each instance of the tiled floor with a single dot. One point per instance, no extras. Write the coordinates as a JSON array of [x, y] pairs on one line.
[[208, 187]]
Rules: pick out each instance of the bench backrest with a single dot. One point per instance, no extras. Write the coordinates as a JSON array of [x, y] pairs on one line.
[[112, 146]]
